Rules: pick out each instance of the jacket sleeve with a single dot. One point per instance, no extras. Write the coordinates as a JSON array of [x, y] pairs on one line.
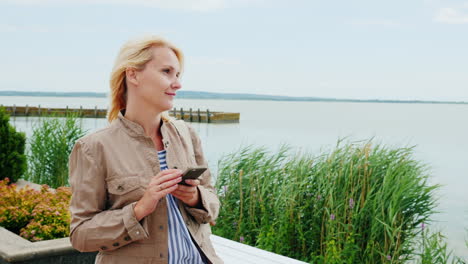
[[209, 199], [92, 227]]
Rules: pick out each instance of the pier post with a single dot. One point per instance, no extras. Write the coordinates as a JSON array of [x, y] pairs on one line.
[[14, 110], [81, 111], [181, 113], [208, 119], [174, 112], [199, 116], [95, 111], [39, 110], [26, 111], [191, 115]]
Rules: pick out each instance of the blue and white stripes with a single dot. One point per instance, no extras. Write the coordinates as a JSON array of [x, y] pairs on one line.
[[180, 244]]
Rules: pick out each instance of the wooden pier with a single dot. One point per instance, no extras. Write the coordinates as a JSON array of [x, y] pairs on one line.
[[189, 115]]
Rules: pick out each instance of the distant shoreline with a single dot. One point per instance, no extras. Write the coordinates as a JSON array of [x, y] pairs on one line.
[[230, 96]]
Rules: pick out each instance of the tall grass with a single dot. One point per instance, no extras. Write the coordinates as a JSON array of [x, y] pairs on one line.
[[51, 143], [433, 249], [360, 203]]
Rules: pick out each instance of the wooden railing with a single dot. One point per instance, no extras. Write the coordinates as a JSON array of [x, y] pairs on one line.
[[190, 115]]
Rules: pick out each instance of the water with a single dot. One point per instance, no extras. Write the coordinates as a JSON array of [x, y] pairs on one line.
[[439, 132]]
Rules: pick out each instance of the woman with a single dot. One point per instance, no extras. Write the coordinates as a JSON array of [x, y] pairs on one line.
[[127, 202]]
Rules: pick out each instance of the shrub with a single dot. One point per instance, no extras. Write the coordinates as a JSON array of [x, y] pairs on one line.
[[50, 145], [358, 204], [51, 217], [12, 144], [16, 205], [35, 215]]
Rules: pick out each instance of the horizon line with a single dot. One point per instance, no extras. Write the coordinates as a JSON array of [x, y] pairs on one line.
[[252, 97]]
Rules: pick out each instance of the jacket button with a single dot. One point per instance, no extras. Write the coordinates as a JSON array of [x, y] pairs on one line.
[[137, 232], [120, 188], [116, 244], [204, 222], [161, 255], [175, 167], [127, 238], [104, 248], [161, 227]]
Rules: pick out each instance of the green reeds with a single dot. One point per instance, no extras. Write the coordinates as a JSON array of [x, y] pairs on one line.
[[49, 147], [360, 203], [433, 249]]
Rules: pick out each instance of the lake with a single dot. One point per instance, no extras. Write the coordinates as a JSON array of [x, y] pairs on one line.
[[439, 133]]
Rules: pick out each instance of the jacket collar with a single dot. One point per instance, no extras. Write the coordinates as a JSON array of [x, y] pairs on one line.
[[134, 129]]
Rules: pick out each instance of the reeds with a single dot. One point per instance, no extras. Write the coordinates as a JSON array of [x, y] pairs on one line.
[[49, 147], [360, 203], [433, 249]]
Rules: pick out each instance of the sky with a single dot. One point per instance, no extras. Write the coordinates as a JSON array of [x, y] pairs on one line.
[[358, 49]]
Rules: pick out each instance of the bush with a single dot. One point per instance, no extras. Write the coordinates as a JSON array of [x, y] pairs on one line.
[[35, 215], [50, 145], [12, 144], [358, 204]]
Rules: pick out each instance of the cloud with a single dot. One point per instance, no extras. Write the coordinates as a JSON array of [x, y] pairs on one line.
[[212, 61], [10, 28], [324, 84], [450, 15], [376, 22], [191, 5], [7, 28]]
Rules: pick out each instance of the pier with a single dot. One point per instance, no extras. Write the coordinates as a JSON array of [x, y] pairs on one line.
[[189, 115]]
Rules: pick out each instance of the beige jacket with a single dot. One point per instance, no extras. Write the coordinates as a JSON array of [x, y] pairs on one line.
[[109, 172]]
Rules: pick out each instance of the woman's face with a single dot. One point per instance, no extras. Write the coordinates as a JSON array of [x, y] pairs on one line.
[[157, 83]]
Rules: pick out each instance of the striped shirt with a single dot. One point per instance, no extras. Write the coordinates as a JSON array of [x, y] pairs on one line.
[[180, 244]]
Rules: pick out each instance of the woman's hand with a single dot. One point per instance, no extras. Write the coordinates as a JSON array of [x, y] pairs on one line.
[[188, 194], [163, 183]]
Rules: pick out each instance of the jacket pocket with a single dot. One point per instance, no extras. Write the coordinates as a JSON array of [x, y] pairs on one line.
[[124, 185], [124, 190]]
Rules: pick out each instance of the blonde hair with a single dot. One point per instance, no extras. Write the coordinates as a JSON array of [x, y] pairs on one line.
[[133, 54]]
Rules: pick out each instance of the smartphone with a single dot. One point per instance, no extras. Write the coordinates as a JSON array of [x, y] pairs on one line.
[[192, 174]]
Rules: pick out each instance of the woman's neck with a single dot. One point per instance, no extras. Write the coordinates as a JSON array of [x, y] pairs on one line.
[[149, 120]]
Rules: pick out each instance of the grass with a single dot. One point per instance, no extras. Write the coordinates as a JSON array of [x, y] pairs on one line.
[[433, 249], [49, 147], [360, 203]]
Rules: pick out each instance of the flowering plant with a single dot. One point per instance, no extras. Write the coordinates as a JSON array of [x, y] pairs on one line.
[[35, 215]]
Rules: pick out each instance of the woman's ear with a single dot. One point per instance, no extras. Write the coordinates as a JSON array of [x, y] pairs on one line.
[[131, 76]]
